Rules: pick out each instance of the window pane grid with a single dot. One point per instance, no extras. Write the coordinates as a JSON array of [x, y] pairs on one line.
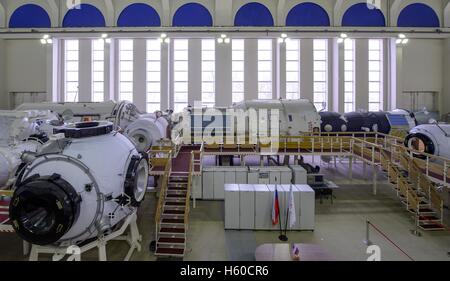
[[181, 63], [349, 75], [71, 63], [208, 72], [153, 98], [320, 74], [98, 70], [293, 69], [238, 67], [126, 69], [375, 75], [265, 69]]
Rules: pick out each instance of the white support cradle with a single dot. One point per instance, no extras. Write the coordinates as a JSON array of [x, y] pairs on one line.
[[133, 238]]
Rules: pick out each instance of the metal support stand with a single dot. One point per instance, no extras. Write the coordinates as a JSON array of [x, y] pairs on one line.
[[350, 168], [375, 179], [367, 240], [132, 237], [416, 231]]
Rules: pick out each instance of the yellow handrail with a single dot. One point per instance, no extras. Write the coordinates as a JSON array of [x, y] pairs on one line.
[[162, 193], [8, 193], [188, 191]]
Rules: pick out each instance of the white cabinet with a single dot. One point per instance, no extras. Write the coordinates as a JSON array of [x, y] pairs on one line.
[[197, 191], [269, 175], [299, 175], [306, 211], [246, 206], [287, 196], [208, 183], [241, 175], [219, 182], [281, 202], [250, 206], [232, 206], [263, 207], [214, 179]]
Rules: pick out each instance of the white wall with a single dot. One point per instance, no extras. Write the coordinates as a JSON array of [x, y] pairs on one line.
[[3, 96], [421, 64], [423, 67], [25, 67]]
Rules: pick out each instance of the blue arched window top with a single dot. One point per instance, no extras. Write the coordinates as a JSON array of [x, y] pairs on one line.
[[307, 14], [30, 16], [253, 14], [418, 15], [192, 14], [363, 14], [139, 14], [84, 15]]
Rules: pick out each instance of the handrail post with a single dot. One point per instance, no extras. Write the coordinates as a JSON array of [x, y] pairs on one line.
[[367, 240], [445, 172]]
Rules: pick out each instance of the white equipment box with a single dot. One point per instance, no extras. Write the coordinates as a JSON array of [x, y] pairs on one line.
[[306, 209], [208, 183], [269, 175], [232, 206], [263, 207], [252, 208], [246, 206], [299, 174], [214, 179]]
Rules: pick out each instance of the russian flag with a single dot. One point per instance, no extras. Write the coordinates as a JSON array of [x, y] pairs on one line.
[[275, 209]]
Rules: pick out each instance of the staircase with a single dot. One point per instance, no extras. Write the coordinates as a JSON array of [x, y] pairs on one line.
[[416, 192], [172, 218], [172, 227]]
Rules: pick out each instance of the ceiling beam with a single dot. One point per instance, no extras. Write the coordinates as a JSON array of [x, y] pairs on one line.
[[2, 15], [165, 13], [110, 13], [224, 10], [54, 12], [281, 7]]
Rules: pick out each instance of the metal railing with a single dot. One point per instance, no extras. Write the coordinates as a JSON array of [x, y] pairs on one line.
[[162, 195]]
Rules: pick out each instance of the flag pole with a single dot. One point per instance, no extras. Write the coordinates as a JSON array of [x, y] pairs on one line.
[[282, 237]]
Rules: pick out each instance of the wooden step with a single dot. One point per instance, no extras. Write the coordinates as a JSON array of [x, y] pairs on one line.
[[176, 199], [424, 211], [176, 195], [172, 230], [429, 218], [432, 226], [177, 188], [180, 192], [175, 252], [172, 221], [171, 240], [175, 203], [178, 179], [173, 212]]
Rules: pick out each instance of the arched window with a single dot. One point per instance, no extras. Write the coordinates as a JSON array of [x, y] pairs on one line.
[[139, 14], [84, 15], [307, 14], [363, 14], [418, 15], [192, 14], [30, 16], [253, 14]]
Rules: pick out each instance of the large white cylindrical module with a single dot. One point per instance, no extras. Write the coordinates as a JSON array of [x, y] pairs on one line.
[[432, 139], [74, 111], [17, 126], [296, 116], [79, 186], [144, 129], [10, 159]]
